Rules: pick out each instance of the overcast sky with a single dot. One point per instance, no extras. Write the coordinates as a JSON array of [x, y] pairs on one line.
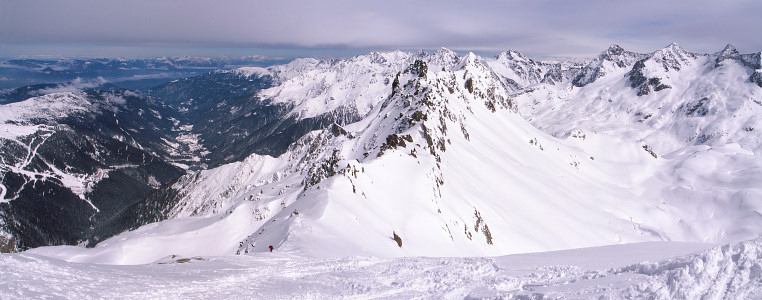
[[336, 28]]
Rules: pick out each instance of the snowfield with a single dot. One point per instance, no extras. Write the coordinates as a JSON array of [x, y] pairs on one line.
[[660, 270]]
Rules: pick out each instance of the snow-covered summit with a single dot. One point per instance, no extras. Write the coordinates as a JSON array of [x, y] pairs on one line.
[[615, 60], [729, 52], [443, 58], [520, 71], [315, 87], [253, 71], [673, 57]]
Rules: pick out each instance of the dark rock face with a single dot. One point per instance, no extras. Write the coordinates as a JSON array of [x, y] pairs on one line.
[[643, 84], [698, 109], [554, 75], [419, 68], [756, 77]]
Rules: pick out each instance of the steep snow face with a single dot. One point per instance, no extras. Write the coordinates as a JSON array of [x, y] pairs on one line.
[[451, 160]]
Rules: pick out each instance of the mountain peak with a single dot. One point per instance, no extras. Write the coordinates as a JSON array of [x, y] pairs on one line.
[[443, 50], [670, 50], [615, 56], [445, 53], [512, 55], [614, 50], [729, 52], [443, 58], [673, 47], [729, 48], [673, 57], [471, 55], [469, 59]]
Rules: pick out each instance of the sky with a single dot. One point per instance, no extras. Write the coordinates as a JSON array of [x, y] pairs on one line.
[[538, 28]]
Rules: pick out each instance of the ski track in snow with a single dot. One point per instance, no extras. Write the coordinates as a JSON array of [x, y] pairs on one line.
[[645, 270]]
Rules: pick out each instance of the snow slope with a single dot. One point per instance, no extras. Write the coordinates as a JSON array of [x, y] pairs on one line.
[[656, 270], [452, 158]]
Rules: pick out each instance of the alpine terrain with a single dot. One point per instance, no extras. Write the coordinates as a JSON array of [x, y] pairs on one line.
[[397, 155]]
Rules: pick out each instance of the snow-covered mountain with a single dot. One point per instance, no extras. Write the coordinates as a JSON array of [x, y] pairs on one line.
[[447, 155], [69, 159]]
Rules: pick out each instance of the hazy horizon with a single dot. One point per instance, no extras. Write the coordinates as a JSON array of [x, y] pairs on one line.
[[120, 28]]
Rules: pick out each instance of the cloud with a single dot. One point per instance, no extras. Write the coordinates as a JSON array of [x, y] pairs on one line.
[[72, 86], [541, 27]]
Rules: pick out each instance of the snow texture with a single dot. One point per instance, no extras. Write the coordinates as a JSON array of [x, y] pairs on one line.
[[662, 270]]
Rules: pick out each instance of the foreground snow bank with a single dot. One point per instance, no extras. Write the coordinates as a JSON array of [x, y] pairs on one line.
[[730, 271], [621, 271]]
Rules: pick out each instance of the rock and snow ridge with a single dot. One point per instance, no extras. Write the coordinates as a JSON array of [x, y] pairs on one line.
[[466, 156]]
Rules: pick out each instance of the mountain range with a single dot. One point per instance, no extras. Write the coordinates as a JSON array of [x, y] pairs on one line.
[[132, 73], [390, 154]]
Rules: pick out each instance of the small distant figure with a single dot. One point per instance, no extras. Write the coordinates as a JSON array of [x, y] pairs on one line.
[[271, 248]]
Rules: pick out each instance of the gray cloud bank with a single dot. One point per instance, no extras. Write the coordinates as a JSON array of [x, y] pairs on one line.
[[538, 28]]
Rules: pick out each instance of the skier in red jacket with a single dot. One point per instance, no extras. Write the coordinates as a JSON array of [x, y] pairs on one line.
[[271, 248]]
